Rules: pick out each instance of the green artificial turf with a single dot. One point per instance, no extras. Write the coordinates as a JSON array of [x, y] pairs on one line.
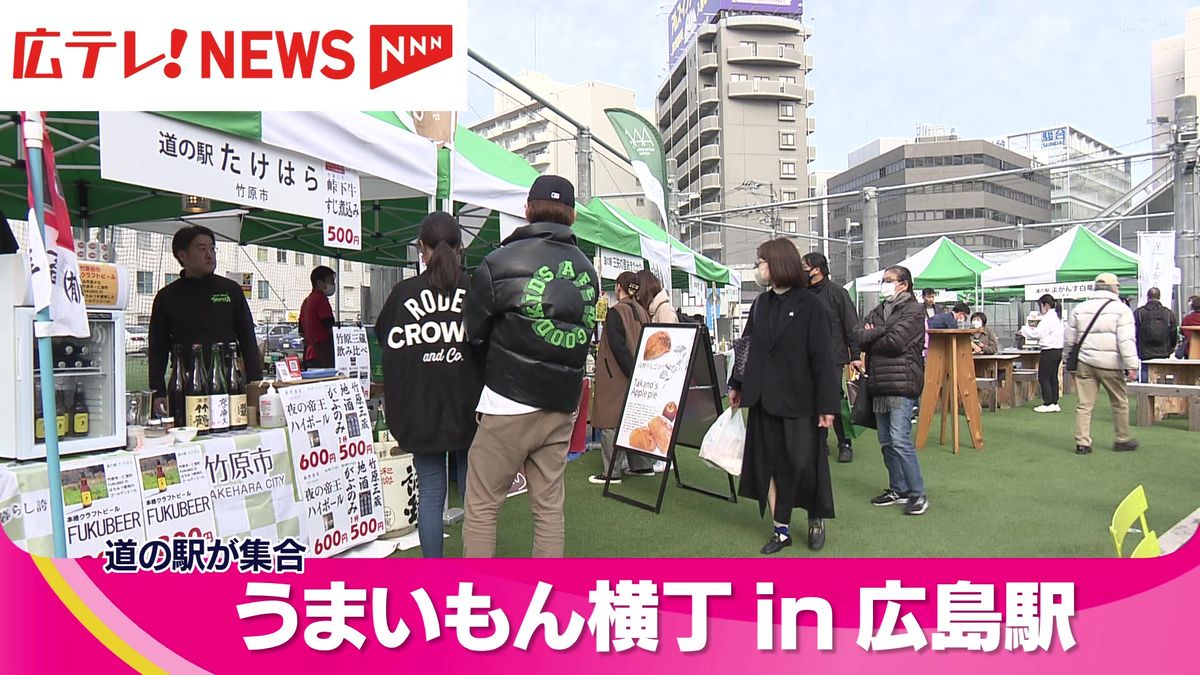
[[1025, 495]]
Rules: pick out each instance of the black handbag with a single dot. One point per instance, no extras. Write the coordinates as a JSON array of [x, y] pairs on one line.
[[1071, 363], [862, 404]]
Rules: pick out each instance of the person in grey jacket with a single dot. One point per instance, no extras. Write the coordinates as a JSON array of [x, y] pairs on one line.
[[1108, 358], [843, 321]]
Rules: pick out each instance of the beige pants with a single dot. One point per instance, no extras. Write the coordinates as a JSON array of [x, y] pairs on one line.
[[505, 444], [1090, 380]]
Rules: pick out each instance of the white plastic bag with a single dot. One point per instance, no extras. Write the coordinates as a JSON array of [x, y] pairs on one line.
[[725, 442]]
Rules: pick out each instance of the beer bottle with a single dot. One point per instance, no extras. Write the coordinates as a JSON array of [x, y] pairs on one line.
[[39, 424], [218, 391], [85, 492], [196, 393], [61, 422], [80, 416], [239, 412], [175, 402], [382, 433], [160, 476]]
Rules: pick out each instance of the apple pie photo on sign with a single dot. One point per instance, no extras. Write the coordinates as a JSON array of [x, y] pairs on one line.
[[659, 344]]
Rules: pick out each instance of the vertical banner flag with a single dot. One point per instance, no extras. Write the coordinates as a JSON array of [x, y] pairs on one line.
[[1156, 266], [67, 311], [645, 147]]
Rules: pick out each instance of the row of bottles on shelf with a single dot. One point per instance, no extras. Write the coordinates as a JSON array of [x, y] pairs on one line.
[[71, 355], [208, 394], [71, 420]]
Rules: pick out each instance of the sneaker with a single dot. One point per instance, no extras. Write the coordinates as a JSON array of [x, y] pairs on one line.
[[660, 466], [1126, 446], [816, 534], [845, 454], [640, 472], [1056, 408], [1044, 409], [776, 543], [598, 479], [888, 498], [1083, 450], [916, 505]]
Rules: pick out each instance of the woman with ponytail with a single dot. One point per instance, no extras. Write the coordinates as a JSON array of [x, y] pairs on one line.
[[431, 377]]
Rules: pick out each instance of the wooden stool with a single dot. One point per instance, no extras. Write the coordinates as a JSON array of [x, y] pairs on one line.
[[950, 377]]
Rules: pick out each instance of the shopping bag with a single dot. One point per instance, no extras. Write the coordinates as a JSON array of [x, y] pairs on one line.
[[852, 430], [862, 409], [725, 442]]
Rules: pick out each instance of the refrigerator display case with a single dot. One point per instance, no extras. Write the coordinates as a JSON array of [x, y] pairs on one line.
[[89, 377]]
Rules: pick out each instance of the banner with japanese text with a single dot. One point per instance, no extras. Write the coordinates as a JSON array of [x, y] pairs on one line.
[[176, 494], [337, 471], [352, 355]]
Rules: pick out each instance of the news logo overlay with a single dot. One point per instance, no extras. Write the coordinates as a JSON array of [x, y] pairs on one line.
[[223, 55]]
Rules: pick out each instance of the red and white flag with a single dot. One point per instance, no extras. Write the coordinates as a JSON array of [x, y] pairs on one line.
[[53, 261]]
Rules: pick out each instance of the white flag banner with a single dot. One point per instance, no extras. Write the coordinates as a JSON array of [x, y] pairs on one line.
[[1156, 266], [39, 266]]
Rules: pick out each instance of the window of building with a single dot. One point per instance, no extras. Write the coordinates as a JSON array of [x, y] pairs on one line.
[[264, 290], [641, 201], [171, 278], [347, 266], [752, 45], [262, 254], [299, 258], [788, 195], [789, 225], [739, 77], [144, 240], [145, 282], [281, 256], [789, 79], [787, 169], [786, 48]]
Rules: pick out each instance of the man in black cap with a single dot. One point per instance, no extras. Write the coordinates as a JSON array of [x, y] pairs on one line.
[[531, 310]]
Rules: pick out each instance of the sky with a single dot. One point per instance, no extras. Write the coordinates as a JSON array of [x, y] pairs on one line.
[[983, 67]]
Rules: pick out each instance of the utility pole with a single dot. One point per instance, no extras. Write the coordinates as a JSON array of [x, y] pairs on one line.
[[870, 239], [1184, 148], [583, 165], [849, 250]]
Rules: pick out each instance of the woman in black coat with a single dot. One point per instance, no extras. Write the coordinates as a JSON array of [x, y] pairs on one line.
[[790, 384]]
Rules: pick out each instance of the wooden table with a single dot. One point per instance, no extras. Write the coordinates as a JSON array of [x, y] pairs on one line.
[[1178, 372], [1192, 335], [1000, 367], [950, 378]]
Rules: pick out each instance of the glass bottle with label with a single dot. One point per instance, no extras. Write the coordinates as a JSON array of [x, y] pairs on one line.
[[196, 393], [160, 477], [61, 421], [85, 492], [218, 391], [176, 406], [239, 410], [80, 415], [39, 424]]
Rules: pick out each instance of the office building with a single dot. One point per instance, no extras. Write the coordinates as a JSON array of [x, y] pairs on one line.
[[1081, 193], [982, 215], [1174, 71], [733, 110], [547, 141]]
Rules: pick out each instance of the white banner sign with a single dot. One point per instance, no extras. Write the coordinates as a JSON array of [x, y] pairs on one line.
[[612, 263], [157, 152], [176, 494], [352, 356], [696, 287], [220, 54], [252, 488], [1156, 266], [335, 464], [342, 226], [102, 502], [1075, 290]]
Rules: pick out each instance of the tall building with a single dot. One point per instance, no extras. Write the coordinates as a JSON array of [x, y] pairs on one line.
[[982, 214], [1174, 71], [734, 115], [548, 142], [1081, 193]]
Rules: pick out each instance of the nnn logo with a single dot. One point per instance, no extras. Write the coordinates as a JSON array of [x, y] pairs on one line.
[[400, 51]]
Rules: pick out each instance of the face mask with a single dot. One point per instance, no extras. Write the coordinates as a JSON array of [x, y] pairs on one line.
[[761, 277], [887, 290], [329, 290], [977, 324]]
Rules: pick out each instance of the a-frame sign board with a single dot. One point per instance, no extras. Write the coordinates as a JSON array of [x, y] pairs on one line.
[[674, 397]]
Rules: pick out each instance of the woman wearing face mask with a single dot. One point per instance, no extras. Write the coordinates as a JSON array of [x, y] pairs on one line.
[[790, 384], [893, 336], [316, 319], [1050, 334], [985, 342]]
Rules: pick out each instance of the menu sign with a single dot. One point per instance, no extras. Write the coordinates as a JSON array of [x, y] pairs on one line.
[[657, 388]]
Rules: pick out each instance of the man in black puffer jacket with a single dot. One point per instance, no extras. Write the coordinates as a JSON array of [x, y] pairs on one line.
[[531, 311], [893, 336]]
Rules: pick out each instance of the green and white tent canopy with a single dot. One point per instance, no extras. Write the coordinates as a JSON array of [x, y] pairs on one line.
[[943, 265], [1076, 255]]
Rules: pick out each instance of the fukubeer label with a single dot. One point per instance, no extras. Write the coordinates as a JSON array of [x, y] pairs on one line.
[[79, 426], [197, 412], [239, 412]]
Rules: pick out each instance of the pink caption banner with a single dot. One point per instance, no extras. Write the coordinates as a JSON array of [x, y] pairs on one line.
[[1125, 614]]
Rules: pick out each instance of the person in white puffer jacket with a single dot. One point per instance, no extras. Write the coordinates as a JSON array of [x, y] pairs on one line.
[[1107, 358]]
